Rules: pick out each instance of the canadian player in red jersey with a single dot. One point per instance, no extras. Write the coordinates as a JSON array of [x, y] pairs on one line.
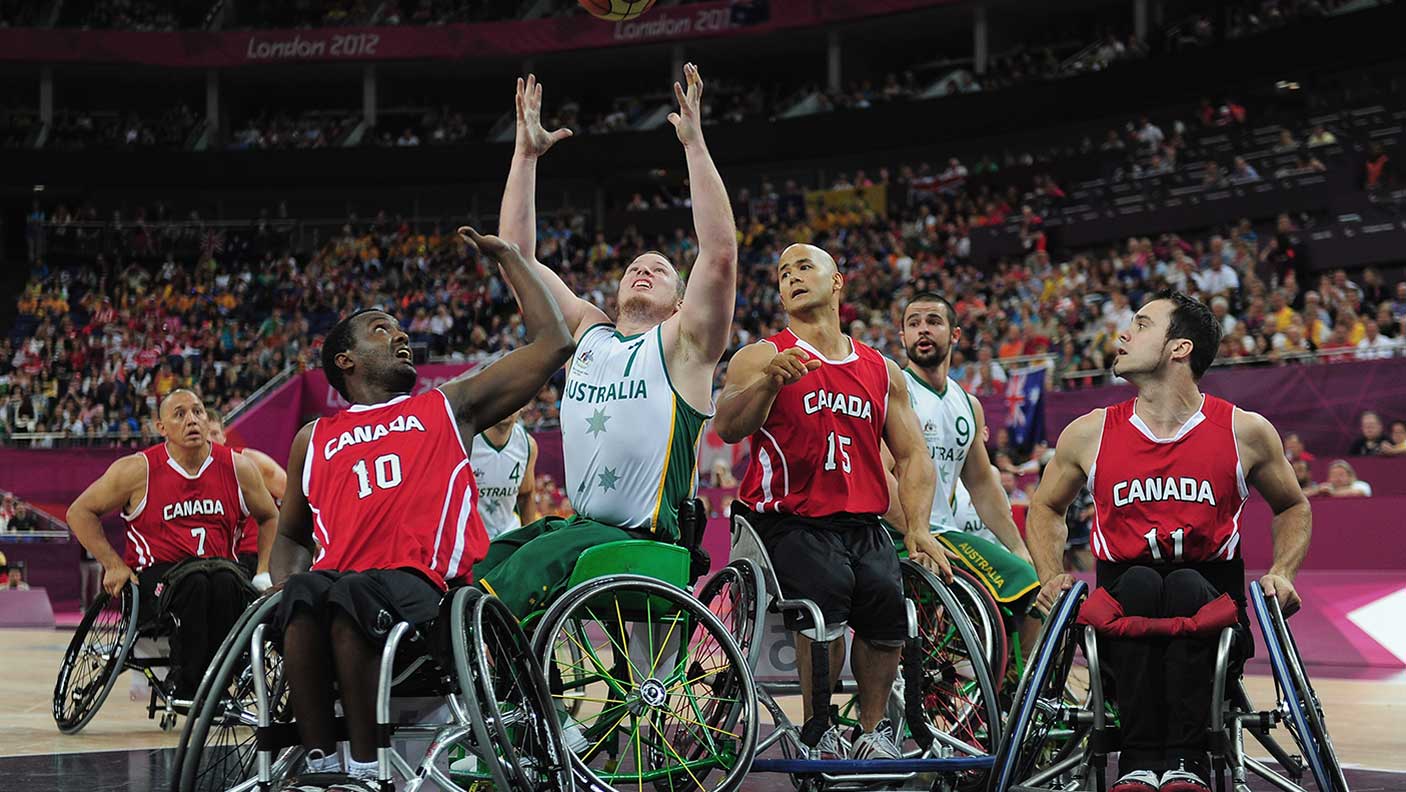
[[1169, 471], [817, 406], [184, 499], [386, 489], [250, 546]]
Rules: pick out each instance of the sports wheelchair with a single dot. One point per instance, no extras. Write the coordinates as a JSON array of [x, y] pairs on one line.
[[114, 630], [1038, 755], [461, 681], [943, 705], [651, 683]]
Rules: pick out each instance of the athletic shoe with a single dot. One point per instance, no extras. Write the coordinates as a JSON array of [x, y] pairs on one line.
[[333, 782], [829, 747], [876, 744], [1182, 780], [1137, 781]]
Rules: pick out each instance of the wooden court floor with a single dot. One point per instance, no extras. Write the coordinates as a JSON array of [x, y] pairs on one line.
[[1367, 718]]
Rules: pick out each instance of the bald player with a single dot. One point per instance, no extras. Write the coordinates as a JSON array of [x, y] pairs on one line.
[[251, 549], [819, 406], [183, 501]]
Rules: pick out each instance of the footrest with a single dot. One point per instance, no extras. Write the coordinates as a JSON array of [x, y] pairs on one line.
[[875, 766]]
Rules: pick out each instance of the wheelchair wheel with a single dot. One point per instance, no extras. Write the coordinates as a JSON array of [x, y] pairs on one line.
[[985, 616], [95, 658], [668, 695], [1305, 713], [517, 721], [955, 690], [734, 596], [1036, 731], [218, 743]]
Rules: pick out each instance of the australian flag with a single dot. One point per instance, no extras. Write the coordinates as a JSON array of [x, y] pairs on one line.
[[1025, 400]]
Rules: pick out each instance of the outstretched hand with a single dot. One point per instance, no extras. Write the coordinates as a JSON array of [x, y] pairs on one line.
[[688, 121], [493, 247], [533, 139]]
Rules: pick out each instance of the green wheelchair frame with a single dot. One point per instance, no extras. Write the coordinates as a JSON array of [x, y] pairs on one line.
[[655, 683]]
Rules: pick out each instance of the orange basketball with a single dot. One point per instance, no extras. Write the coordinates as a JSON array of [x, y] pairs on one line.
[[615, 10]]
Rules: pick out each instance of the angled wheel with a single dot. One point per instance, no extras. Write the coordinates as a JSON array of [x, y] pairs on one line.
[[668, 697], [1305, 719], [218, 748], [734, 596], [985, 615], [95, 658], [955, 693], [516, 722], [1036, 729]]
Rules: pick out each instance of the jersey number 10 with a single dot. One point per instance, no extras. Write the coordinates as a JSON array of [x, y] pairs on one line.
[[387, 474]]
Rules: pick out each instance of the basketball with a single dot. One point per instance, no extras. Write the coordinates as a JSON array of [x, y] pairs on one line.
[[616, 10]]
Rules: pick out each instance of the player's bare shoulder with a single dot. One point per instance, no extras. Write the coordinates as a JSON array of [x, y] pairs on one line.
[[1255, 438], [1078, 443]]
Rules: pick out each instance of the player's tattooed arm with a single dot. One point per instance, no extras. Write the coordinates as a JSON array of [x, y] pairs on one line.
[[293, 545], [493, 392]]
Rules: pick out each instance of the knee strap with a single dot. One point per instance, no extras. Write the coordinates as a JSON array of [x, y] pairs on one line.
[[820, 685]]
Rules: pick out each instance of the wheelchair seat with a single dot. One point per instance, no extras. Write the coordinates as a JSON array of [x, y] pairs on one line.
[[669, 562]]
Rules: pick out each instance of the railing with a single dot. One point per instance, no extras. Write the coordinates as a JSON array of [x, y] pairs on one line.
[[1095, 377], [262, 391], [50, 527]]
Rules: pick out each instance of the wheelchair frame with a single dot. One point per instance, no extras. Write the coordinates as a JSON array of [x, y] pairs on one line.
[[1080, 765]]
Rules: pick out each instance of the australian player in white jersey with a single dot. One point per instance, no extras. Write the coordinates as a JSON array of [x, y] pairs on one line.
[[639, 389], [952, 423], [505, 468]]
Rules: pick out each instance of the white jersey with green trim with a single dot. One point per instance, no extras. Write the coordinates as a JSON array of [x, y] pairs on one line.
[[499, 473], [949, 428], [965, 516], [629, 440]]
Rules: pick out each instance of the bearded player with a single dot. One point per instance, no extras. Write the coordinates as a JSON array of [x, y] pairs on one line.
[[1170, 471], [818, 406], [386, 490], [952, 423]]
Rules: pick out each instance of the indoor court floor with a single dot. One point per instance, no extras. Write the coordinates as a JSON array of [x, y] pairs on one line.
[[122, 750]]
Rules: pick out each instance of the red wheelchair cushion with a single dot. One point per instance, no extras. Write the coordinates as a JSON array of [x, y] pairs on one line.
[[1102, 612]]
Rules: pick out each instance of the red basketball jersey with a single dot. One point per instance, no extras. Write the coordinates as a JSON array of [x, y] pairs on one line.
[[390, 487], [1175, 500], [184, 516], [818, 452]]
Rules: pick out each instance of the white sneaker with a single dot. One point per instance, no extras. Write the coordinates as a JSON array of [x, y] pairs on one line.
[[876, 744], [1137, 781], [465, 764], [830, 746]]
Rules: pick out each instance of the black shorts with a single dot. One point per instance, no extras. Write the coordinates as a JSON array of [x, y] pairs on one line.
[[376, 599], [845, 564]]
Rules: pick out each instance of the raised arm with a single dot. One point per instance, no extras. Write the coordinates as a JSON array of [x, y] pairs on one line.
[[984, 486], [756, 374], [261, 508], [1269, 472], [293, 545], [705, 320], [112, 491], [517, 222], [526, 504], [1045, 530], [917, 479], [493, 392]]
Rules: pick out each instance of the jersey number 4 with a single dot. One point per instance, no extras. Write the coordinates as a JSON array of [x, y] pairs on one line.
[[387, 474], [833, 443]]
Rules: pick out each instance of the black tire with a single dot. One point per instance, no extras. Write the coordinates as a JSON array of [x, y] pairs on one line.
[[734, 596], [95, 658], [678, 674], [507, 690], [1305, 722], [1040, 699], [217, 749], [955, 694], [985, 616]]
